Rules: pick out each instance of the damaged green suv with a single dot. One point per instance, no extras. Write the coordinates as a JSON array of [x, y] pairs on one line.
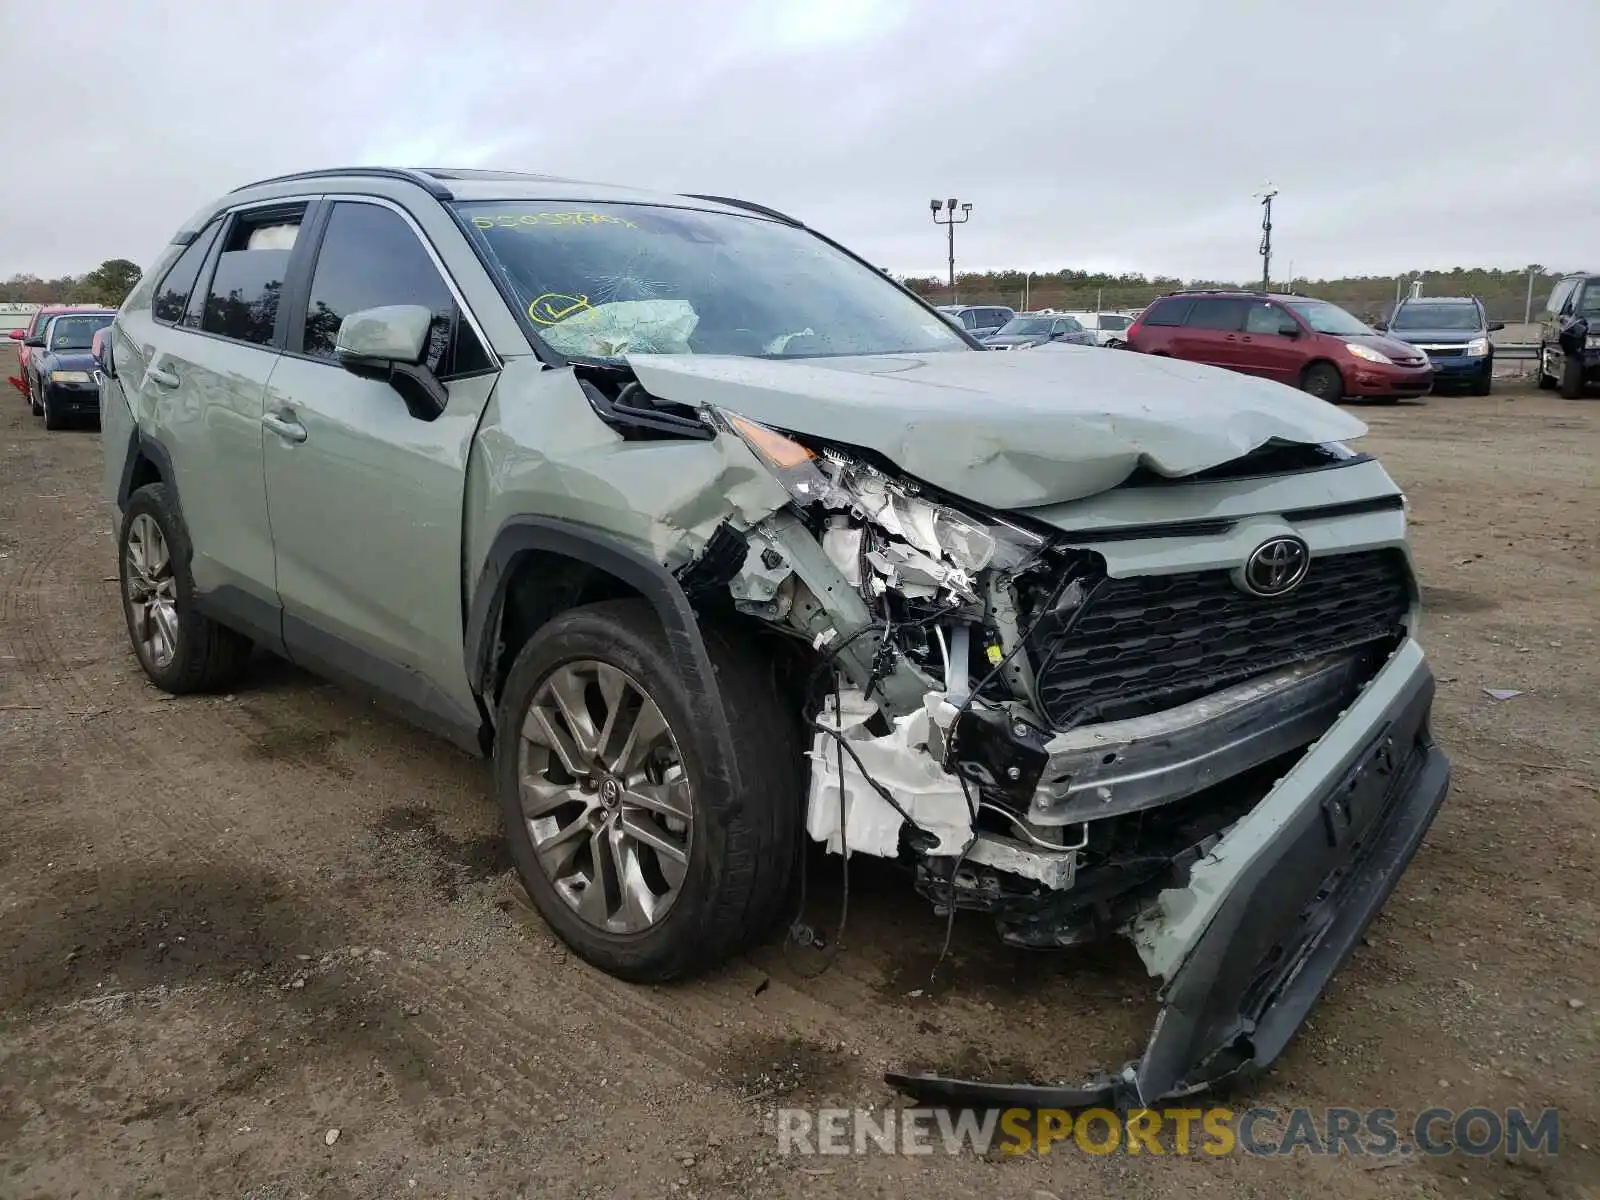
[[716, 540]]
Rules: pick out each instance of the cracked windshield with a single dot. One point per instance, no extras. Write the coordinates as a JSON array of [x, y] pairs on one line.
[[604, 281]]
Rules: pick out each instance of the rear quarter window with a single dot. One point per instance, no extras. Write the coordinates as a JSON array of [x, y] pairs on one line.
[[1168, 312]]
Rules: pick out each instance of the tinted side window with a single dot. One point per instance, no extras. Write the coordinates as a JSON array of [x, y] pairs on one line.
[[1168, 312], [1264, 317], [969, 318], [1217, 314], [371, 257], [1558, 297], [173, 294], [243, 300]]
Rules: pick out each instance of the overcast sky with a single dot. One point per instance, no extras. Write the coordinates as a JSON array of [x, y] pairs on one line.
[[1117, 134]]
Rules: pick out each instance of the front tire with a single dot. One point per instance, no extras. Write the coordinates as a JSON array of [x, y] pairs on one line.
[[53, 419], [1547, 381], [1484, 384], [180, 650], [617, 813], [33, 400], [1323, 381], [1572, 382]]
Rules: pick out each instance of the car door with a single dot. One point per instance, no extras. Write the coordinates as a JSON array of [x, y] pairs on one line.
[[1210, 333], [365, 498], [207, 346], [25, 352], [1265, 348], [1550, 327], [1064, 329]]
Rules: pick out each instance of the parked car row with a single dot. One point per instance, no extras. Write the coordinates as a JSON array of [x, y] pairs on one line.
[[1003, 328], [61, 362], [1430, 343]]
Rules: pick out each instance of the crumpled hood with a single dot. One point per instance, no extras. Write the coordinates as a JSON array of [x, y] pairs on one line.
[[1010, 430]]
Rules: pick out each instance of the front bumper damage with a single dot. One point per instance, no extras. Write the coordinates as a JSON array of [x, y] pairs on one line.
[[1079, 720], [1273, 910]]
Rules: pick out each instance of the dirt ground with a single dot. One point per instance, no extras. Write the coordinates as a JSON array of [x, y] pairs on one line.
[[230, 925]]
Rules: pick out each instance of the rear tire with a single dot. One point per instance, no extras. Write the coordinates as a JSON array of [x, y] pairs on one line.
[[180, 650], [607, 885], [1572, 382], [1323, 381]]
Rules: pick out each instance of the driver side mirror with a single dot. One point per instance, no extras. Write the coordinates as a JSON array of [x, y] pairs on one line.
[[1496, 326], [36, 342], [1288, 329], [388, 343], [16, 335], [1381, 326]]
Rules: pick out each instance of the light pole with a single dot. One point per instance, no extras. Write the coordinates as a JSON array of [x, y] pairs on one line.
[[1266, 236], [1027, 288], [950, 221]]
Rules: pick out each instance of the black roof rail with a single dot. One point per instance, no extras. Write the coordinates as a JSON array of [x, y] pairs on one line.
[[427, 182], [748, 205]]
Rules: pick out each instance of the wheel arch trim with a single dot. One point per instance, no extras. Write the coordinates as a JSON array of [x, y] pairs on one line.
[[142, 445], [522, 536]]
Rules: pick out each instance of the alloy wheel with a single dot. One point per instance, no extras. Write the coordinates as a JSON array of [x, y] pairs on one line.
[[604, 794], [152, 591]]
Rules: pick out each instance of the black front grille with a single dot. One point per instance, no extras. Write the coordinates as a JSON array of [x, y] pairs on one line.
[[1154, 641]]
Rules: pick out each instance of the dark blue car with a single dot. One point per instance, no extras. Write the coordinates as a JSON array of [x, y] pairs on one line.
[[1454, 333], [64, 376]]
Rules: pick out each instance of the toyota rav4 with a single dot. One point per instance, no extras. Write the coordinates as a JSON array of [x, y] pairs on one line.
[[715, 539]]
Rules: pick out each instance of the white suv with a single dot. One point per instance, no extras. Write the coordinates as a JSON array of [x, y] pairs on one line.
[[1107, 327]]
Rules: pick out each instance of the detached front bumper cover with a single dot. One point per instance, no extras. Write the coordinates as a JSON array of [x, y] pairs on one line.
[[1273, 912]]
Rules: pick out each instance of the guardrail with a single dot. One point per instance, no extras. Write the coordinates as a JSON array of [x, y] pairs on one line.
[[1517, 351]]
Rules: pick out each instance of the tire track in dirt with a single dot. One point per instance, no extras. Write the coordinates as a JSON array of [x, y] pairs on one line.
[[197, 736]]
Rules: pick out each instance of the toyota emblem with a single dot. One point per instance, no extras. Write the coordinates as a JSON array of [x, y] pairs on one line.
[[1276, 567]]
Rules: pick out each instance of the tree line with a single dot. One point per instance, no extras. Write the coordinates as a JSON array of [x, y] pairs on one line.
[[1504, 293], [108, 285], [1371, 297]]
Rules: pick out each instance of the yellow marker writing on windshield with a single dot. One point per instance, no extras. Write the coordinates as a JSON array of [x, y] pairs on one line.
[[555, 306], [528, 219]]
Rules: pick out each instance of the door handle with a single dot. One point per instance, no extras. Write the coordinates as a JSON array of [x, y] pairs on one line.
[[287, 428], [162, 377]]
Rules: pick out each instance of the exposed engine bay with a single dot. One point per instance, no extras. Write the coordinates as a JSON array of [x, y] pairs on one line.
[[993, 706], [1081, 667]]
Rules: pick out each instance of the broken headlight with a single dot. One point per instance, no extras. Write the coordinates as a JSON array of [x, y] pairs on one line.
[[791, 464], [892, 506]]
